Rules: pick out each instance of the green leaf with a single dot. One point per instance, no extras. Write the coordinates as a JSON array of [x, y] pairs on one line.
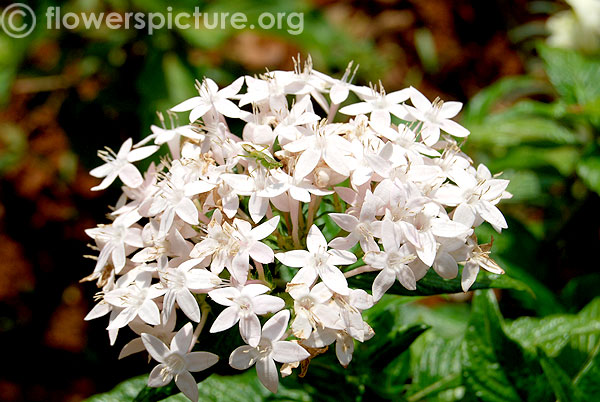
[[572, 74], [393, 346], [524, 185], [125, 391], [523, 158], [588, 379], [507, 129], [504, 90], [387, 354], [589, 171], [495, 367], [572, 341], [437, 370], [235, 388], [433, 284], [425, 47], [395, 318], [561, 384], [551, 333], [178, 79], [243, 387]]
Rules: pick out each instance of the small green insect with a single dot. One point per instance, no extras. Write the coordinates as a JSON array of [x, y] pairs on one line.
[[261, 157]]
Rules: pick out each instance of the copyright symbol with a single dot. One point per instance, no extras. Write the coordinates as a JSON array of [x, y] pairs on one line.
[[17, 20]]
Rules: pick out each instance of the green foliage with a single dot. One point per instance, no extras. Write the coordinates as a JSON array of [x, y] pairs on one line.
[[547, 140], [571, 73], [496, 368], [561, 384], [125, 391], [235, 388]]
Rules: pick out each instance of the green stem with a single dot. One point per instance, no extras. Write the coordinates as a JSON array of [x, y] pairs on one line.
[[204, 310]]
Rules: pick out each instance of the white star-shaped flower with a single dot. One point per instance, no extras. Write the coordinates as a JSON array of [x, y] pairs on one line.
[[120, 164], [269, 350], [212, 98], [177, 362], [243, 305], [319, 262]]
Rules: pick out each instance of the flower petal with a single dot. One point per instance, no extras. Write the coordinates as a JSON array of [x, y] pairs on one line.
[[130, 176], [334, 279], [293, 258], [307, 162], [265, 229], [445, 266], [182, 339], [157, 349], [188, 304], [250, 329], [149, 312], [198, 361], [288, 352], [187, 211], [276, 326], [383, 281], [407, 278], [265, 304], [243, 357], [187, 104], [345, 221], [315, 241], [224, 296], [156, 378], [141, 153], [227, 319], [262, 253], [469, 274], [267, 373], [187, 384]]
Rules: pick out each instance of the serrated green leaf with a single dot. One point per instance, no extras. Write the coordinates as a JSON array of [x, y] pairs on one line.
[[495, 367], [572, 74], [571, 341], [437, 370], [484, 376], [550, 333], [561, 384]]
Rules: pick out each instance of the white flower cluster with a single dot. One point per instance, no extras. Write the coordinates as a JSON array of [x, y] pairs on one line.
[[236, 211]]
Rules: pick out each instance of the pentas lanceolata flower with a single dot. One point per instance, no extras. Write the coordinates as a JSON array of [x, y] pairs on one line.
[[264, 224]]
